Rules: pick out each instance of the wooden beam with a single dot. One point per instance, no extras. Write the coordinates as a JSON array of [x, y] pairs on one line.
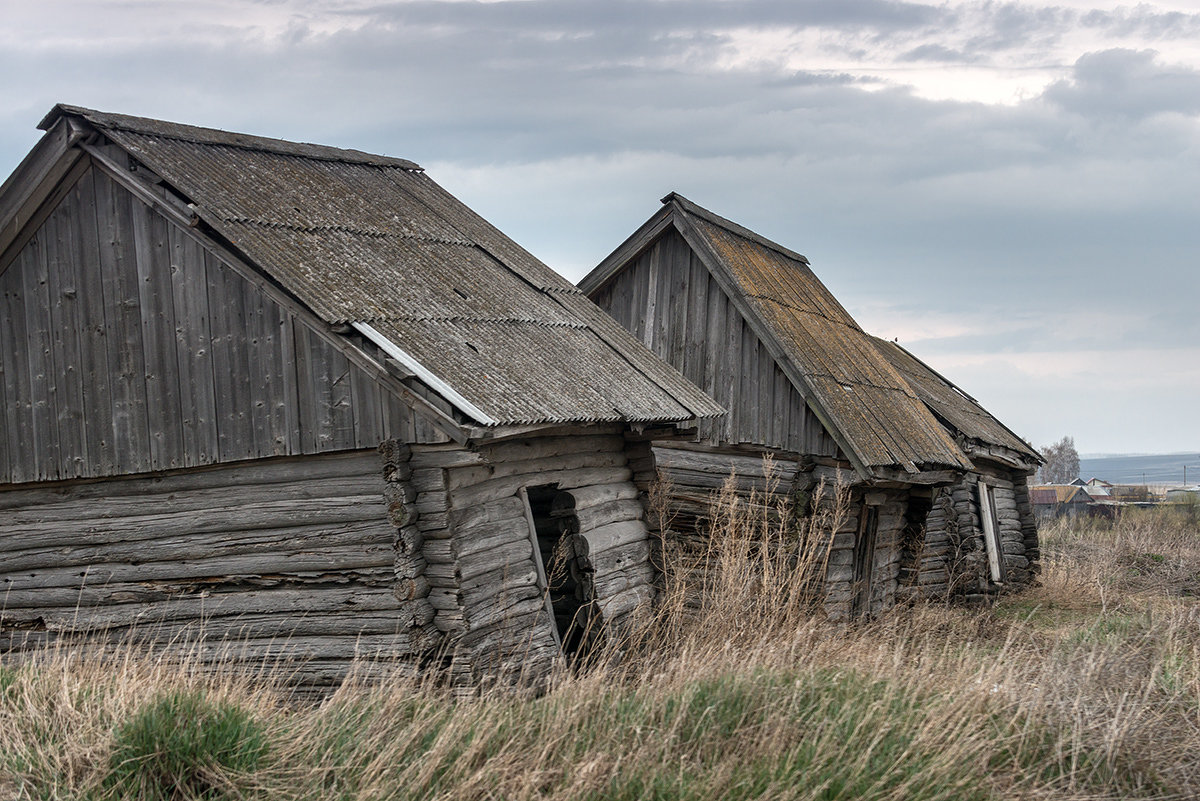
[[27, 189], [184, 216], [637, 242], [543, 582]]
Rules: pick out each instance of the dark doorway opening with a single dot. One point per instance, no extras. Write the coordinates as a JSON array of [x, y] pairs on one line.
[[555, 549], [912, 538], [864, 561]]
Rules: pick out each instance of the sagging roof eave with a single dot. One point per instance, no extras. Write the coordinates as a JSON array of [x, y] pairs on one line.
[[1031, 452]]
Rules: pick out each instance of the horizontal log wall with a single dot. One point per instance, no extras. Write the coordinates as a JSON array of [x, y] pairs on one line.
[[478, 547], [954, 561], [885, 561], [127, 347], [291, 558], [701, 487], [667, 299]]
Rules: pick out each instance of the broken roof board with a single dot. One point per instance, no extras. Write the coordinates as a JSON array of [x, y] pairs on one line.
[[867, 407], [359, 238]]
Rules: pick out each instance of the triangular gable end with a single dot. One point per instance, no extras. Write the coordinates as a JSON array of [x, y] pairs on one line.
[[724, 355], [129, 344], [861, 403]]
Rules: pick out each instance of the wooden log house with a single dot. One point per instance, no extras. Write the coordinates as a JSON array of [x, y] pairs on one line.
[[272, 399], [980, 534], [747, 320]]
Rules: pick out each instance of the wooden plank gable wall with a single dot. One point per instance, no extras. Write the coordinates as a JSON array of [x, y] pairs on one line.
[[693, 325], [128, 347]]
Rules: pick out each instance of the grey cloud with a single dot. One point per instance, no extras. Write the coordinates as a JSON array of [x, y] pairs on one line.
[[1126, 83], [653, 16], [937, 52], [1144, 21]]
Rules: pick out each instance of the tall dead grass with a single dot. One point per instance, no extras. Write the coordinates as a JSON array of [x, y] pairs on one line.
[[1086, 687]]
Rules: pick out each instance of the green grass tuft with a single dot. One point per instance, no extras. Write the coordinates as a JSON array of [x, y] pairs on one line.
[[181, 745]]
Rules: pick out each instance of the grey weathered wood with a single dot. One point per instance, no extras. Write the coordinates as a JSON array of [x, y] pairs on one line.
[[40, 361], [580, 498], [158, 338], [63, 293], [566, 479], [140, 333], [33, 181], [611, 535], [122, 319]]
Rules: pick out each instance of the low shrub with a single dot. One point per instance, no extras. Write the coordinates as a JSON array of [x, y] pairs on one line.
[[182, 745]]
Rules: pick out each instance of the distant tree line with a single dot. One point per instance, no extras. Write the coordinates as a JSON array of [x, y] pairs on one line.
[[1062, 462]]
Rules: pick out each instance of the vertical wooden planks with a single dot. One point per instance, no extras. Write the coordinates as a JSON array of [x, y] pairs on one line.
[[193, 349], [18, 410], [653, 287], [367, 406], [6, 367], [677, 272], [694, 361], [341, 399], [40, 359], [156, 299], [731, 394], [231, 362], [126, 367], [93, 334], [306, 379], [258, 341], [271, 327], [62, 284], [290, 386], [780, 396], [398, 420], [326, 404]]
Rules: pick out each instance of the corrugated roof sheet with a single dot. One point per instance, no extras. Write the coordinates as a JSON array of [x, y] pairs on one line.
[[1043, 496], [879, 416], [962, 412], [372, 239]]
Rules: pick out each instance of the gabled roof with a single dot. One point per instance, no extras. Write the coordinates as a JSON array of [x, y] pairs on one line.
[[958, 410], [371, 242], [864, 403]]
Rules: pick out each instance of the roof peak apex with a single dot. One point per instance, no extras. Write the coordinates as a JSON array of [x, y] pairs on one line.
[[697, 210]]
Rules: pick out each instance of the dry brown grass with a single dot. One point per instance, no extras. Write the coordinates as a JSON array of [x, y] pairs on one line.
[[1085, 687]]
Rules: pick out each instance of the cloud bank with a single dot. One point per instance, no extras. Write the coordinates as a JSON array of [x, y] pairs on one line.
[[1004, 186]]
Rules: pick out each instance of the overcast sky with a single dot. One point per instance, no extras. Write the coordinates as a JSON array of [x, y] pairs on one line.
[[1010, 189]]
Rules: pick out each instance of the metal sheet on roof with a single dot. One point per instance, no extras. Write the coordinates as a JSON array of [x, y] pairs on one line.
[[529, 373], [359, 238], [868, 400]]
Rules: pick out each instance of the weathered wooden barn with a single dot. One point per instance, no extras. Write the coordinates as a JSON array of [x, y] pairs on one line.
[[280, 399], [981, 533], [747, 320]]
